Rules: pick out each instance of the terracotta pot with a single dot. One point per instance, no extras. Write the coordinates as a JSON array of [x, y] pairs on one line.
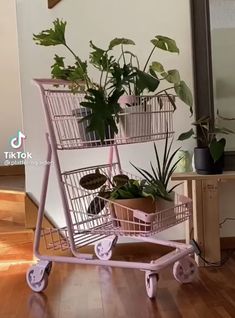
[[123, 210], [122, 213]]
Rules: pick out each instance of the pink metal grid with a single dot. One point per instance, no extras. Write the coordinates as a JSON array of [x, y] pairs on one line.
[[149, 118]]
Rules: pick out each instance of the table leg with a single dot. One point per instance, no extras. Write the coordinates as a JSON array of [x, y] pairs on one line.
[[189, 223], [198, 221], [211, 221]]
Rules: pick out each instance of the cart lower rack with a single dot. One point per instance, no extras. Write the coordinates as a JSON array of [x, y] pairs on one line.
[[102, 228]]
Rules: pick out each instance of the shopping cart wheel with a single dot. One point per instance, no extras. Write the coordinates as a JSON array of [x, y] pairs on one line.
[[49, 268], [103, 249], [185, 270], [39, 286], [151, 280]]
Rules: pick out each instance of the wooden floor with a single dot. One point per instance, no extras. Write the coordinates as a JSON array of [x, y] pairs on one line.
[[87, 292]]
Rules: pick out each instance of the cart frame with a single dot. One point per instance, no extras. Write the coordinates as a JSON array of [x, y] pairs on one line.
[[37, 276]]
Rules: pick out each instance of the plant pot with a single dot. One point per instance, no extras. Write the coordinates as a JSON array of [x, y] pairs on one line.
[[204, 164], [92, 136], [135, 119], [168, 216], [122, 210]]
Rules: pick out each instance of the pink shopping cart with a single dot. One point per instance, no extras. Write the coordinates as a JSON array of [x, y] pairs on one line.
[[149, 120]]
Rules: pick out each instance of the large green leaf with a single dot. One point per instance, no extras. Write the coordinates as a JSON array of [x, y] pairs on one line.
[[186, 135], [157, 67], [53, 36], [122, 76], [173, 76], [120, 41], [100, 59], [217, 148], [146, 81], [165, 43], [79, 72], [105, 111], [184, 93], [153, 73]]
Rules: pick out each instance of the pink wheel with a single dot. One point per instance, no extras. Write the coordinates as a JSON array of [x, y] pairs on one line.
[[185, 270], [36, 287], [151, 284], [103, 251]]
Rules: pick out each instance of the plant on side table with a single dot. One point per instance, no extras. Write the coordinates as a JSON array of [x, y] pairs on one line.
[[119, 78], [209, 157]]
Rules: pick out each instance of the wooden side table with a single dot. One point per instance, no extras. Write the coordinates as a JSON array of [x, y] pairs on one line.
[[204, 225]]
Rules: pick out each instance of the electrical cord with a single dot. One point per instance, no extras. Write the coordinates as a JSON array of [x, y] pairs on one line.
[[215, 264], [225, 220]]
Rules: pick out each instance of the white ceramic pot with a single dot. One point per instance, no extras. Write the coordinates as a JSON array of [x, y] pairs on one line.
[[135, 119]]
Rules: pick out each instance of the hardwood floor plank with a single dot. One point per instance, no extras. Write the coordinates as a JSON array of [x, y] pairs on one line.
[[101, 292]]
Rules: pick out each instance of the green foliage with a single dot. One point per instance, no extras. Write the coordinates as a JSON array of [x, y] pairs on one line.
[[75, 73], [186, 135], [93, 181], [184, 93], [117, 75], [159, 176], [53, 36], [217, 148], [165, 43], [145, 81], [120, 41], [131, 189], [105, 111], [207, 136]]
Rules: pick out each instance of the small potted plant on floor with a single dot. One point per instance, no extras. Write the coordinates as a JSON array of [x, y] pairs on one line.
[[118, 77], [209, 156]]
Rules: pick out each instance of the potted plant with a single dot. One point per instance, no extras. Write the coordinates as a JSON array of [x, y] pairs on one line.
[[209, 156], [159, 176], [118, 76], [148, 195]]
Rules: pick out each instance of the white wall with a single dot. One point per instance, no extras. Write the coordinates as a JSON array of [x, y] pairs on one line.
[[10, 102], [99, 21]]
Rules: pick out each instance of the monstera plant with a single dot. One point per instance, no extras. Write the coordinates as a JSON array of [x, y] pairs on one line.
[[120, 72]]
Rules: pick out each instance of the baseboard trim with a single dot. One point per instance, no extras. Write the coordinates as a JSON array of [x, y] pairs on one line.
[[227, 243], [15, 170]]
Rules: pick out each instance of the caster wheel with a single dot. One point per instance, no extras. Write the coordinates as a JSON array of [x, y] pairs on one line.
[[102, 252], [115, 241], [36, 287], [49, 268], [185, 270], [151, 284]]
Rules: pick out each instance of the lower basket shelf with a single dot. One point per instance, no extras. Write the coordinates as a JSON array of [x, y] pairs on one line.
[[129, 222], [141, 217]]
